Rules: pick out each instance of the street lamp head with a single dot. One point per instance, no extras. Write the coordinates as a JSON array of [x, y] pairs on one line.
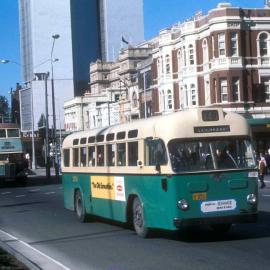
[[55, 36], [4, 61]]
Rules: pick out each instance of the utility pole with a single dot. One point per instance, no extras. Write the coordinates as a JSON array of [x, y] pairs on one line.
[[55, 36], [44, 77]]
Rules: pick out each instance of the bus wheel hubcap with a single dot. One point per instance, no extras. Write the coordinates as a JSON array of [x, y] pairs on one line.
[[138, 217]]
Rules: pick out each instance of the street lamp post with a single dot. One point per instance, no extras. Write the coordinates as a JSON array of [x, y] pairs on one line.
[[55, 36]]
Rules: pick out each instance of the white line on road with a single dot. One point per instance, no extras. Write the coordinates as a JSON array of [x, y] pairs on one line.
[[30, 247], [19, 196], [34, 190], [5, 193], [49, 193], [266, 195]]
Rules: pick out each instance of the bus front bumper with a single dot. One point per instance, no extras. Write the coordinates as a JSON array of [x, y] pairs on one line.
[[247, 218]]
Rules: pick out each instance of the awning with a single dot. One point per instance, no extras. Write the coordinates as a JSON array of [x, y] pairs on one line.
[[259, 121]]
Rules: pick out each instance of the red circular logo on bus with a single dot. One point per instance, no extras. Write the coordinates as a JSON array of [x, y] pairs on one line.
[[119, 188]]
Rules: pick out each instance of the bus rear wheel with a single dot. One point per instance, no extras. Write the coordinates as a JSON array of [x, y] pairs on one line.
[[138, 219], [79, 207]]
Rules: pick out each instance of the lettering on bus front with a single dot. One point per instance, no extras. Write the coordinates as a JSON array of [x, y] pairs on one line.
[[7, 146]]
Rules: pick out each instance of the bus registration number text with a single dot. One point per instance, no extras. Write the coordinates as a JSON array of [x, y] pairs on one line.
[[217, 206]]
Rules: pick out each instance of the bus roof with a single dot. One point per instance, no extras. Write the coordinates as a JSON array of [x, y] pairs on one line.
[[182, 124]]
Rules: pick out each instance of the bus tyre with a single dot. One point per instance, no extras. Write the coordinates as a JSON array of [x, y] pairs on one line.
[[138, 219], [79, 207], [221, 228]]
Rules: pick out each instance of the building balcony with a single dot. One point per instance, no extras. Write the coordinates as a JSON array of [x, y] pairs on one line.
[[227, 62], [264, 61]]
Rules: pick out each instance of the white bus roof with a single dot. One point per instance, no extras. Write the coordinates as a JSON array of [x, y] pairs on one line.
[[182, 124]]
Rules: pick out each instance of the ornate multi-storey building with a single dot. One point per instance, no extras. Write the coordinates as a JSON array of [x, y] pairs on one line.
[[220, 59], [113, 94]]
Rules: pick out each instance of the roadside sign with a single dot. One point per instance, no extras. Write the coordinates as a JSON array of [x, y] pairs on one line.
[[26, 109]]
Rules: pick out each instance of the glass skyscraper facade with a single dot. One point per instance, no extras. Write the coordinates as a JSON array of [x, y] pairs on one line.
[[89, 30]]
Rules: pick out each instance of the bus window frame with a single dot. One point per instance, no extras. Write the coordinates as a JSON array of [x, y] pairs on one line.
[[117, 158], [127, 152], [94, 158], [78, 149]]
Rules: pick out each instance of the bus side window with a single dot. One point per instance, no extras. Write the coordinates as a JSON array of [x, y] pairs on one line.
[[66, 158], [91, 156], [121, 154], [155, 152], [132, 153], [2, 133], [75, 157], [83, 156], [110, 154], [100, 155]]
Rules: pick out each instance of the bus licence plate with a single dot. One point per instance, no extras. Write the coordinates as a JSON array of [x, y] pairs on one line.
[[217, 206]]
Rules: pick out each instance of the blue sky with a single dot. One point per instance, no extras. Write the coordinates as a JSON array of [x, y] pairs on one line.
[[158, 14]]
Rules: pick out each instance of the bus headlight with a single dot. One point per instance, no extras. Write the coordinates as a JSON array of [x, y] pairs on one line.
[[183, 205], [251, 198]]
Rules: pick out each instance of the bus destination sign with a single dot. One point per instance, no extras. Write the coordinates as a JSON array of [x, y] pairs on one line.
[[211, 129]]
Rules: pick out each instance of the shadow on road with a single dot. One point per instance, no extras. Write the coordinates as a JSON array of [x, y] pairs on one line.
[[261, 229], [32, 181]]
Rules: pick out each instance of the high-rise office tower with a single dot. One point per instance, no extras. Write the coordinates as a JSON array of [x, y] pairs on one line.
[[83, 31]]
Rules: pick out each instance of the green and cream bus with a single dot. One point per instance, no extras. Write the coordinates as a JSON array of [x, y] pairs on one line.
[[185, 168]]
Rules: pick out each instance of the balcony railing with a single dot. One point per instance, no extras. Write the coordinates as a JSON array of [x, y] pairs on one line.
[[227, 61]]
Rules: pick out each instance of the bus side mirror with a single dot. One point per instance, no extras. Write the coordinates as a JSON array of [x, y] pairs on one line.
[[139, 163]]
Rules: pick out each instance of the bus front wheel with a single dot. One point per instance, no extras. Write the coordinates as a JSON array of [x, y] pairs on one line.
[[138, 219], [79, 207]]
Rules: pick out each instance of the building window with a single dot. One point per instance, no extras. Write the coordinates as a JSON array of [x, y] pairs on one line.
[[158, 68], [213, 46], [191, 54], [169, 99], [205, 51], [234, 44], [179, 59], [221, 44], [235, 89], [223, 90], [168, 66], [263, 44], [134, 100], [266, 86], [193, 95], [184, 57]]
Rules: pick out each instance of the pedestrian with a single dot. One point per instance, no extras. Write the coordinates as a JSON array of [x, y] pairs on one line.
[[27, 157], [267, 159], [262, 169]]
